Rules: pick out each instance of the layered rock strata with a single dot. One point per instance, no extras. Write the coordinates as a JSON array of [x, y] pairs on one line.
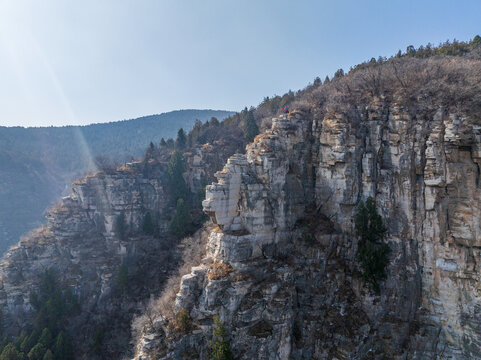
[[285, 227]]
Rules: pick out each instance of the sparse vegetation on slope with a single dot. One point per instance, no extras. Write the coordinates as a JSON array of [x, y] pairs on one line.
[[38, 164]]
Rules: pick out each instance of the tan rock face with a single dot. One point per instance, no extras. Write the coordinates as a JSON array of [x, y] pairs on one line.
[[78, 239], [285, 215]]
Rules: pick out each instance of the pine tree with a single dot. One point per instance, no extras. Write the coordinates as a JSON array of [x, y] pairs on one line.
[[219, 346], [46, 337], [181, 224], [162, 142], [97, 340], [123, 277], [62, 348], [120, 226], [175, 170], [151, 152], [37, 352], [340, 73], [476, 41], [250, 128], [148, 226], [372, 252], [48, 355], [1, 322], [181, 139], [213, 121], [10, 353]]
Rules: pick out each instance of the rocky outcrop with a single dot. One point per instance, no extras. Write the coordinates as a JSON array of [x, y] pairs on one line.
[[285, 226], [78, 241], [80, 244]]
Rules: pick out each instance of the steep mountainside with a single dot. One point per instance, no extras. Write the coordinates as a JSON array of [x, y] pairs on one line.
[[285, 213], [282, 268], [38, 164], [284, 272]]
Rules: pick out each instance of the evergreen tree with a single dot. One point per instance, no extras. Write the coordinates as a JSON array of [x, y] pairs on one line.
[[175, 170], [62, 348], [151, 152], [181, 139], [219, 346], [372, 252], [213, 121], [97, 340], [46, 337], [148, 226], [29, 342], [340, 73], [162, 142], [181, 224], [123, 277], [10, 353], [48, 355], [37, 352], [476, 41], [1, 322], [250, 128], [120, 226], [326, 80]]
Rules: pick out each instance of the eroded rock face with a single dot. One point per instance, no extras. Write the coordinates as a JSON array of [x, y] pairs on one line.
[[284, 213], [80, 243]]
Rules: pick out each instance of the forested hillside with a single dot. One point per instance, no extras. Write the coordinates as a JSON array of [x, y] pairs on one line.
[[38, 164]]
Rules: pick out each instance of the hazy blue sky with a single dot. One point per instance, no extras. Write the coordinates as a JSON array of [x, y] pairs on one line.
[[77, 62]]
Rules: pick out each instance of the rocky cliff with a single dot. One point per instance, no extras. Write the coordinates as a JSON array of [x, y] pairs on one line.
[[282, 269], [292, 289], [80, 243]]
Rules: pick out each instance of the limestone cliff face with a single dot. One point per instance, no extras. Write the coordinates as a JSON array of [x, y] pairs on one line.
[[284, 213]]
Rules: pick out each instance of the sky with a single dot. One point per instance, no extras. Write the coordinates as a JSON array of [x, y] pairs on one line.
[[79, 62]]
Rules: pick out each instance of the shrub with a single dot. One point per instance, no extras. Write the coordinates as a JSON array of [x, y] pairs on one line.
[[183, 322], [219, 270], [373, 254]]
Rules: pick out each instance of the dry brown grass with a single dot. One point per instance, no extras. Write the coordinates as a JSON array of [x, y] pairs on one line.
[[40, 235], [259, 137], [219, 270]]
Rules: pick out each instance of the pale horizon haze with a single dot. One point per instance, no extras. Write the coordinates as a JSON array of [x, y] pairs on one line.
[[80, 62]]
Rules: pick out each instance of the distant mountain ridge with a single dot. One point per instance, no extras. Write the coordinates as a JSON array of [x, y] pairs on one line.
[[38, 163]]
